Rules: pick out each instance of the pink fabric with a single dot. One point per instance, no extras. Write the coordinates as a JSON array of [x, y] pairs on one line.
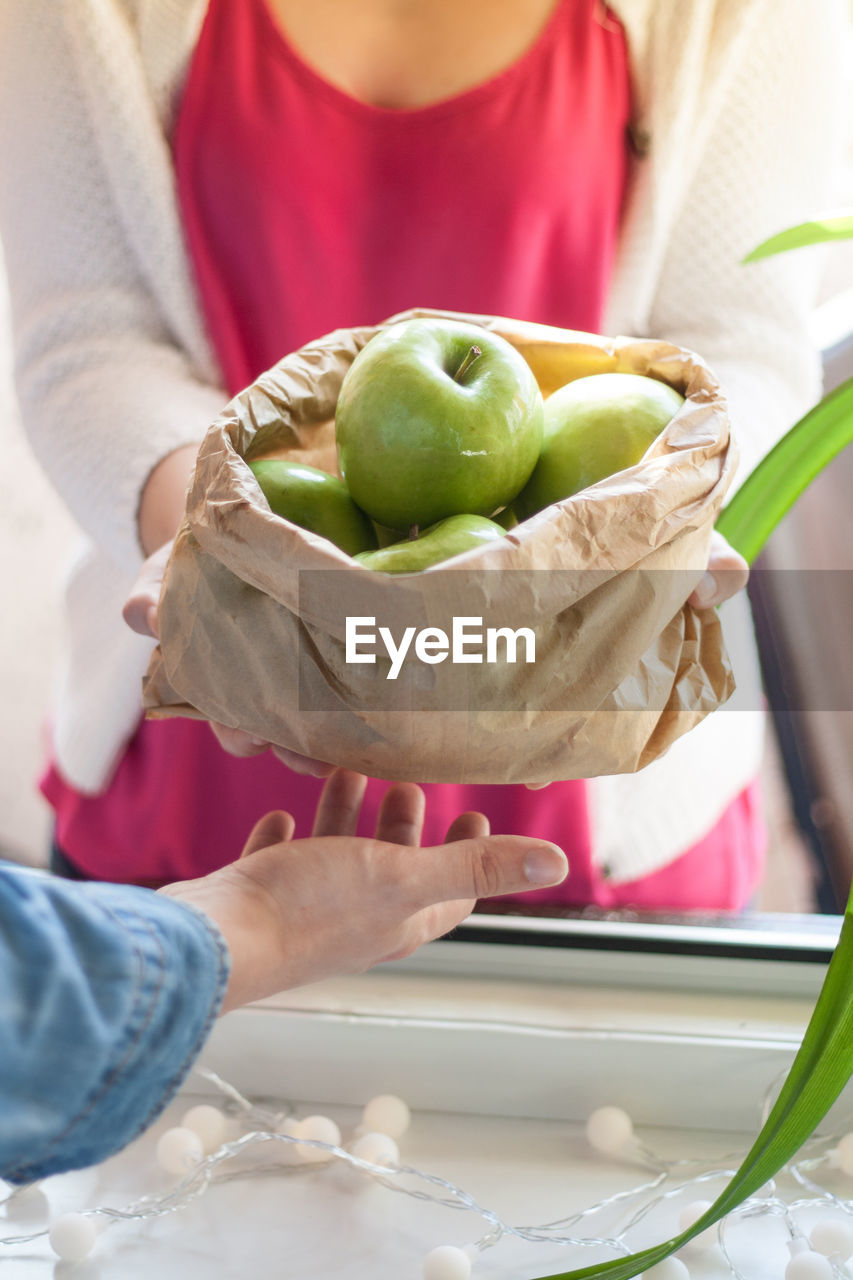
[[306, 210]]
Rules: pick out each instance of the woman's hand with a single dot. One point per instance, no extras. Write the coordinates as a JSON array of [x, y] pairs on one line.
[[140, 614], [726, 575], [296, 911]]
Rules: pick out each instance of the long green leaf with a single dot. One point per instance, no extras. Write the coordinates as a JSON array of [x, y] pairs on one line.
[[818, 1074], [832, 226], [824, 1063], [779, 479]]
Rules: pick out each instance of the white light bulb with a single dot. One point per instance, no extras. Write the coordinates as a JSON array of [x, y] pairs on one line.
[[72, 1237], [289, 1152], [844, 1154], [376, 1148], [24, 1190], [387, 1114], [808, 1266], [317, 1129], [609, 1130], [209, 1123], [692, 1213], [447, 1263], [832, 1239], [669, 1269], [178, 1150]]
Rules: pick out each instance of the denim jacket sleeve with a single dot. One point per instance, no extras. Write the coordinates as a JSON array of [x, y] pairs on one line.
[[107, 995]]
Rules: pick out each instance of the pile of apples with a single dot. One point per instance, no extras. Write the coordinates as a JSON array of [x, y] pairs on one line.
[[444, 442]]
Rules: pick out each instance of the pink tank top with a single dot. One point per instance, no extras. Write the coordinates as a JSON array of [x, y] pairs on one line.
[[306, 210]]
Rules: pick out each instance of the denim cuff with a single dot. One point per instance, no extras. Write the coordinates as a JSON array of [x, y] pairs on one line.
[[116, 990]]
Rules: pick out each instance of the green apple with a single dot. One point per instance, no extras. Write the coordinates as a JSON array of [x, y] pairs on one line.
[[385, 536], [314, 500], [437, 418], [442, 541], [594, 427], [507, 519]]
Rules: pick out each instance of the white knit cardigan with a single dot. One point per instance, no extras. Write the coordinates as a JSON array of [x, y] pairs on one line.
[[735, 100]]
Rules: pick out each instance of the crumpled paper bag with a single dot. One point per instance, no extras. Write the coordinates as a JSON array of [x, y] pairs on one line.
[[253, 609]]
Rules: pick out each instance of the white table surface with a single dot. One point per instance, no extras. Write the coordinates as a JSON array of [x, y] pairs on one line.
[[500, 1075], [330, 1222]]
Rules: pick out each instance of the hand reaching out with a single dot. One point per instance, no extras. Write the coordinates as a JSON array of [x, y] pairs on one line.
[[295, 911]]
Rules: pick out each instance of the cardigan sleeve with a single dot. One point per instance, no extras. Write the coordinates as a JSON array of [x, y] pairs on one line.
[[105, 383], [108, 995], [771, 152]]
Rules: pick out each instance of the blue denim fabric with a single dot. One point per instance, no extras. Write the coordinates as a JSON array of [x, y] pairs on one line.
[[107, 995]]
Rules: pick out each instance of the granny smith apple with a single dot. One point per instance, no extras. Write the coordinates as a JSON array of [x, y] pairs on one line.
[[442, 541], [507, 519], [437, 418], [316, 501], [594, 427], [384, 536]]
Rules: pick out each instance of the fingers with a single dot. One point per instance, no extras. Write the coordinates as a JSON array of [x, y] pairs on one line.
[[468, 826], [484, 867], [727, 573], [340, 804], [401, 814], [303, 764], [238, 743], [273, 828], [140, 608]]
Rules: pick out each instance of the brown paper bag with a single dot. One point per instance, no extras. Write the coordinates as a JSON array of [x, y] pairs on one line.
[[253, 613]]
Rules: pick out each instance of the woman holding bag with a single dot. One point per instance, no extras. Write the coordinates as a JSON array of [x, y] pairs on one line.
[[202, 187]]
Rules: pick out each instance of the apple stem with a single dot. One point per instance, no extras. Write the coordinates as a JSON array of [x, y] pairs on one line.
[[414, 529], [473, 354]]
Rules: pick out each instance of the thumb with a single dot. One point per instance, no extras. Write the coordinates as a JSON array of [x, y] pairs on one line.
[[140, 608], [273, 828], [485, 867]]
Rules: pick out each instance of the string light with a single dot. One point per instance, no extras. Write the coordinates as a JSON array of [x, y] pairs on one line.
[[833, 1239], [805, 1264], [387, 1114], [208, 1123], [317, 1136], [375, 1148], [447, 1263], [609, 1130], [690, 1214], [72, 1237], [195, 1150], [178, 1150]]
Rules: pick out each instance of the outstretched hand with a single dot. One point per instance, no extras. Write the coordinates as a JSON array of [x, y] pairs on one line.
[[295, 911]]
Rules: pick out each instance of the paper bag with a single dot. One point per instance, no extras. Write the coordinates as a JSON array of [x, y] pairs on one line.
[[257, 615]]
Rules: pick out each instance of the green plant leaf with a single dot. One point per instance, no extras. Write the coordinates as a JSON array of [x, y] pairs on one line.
[[779, 479], [824, 1063], [832, 226], [818, 1074]]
